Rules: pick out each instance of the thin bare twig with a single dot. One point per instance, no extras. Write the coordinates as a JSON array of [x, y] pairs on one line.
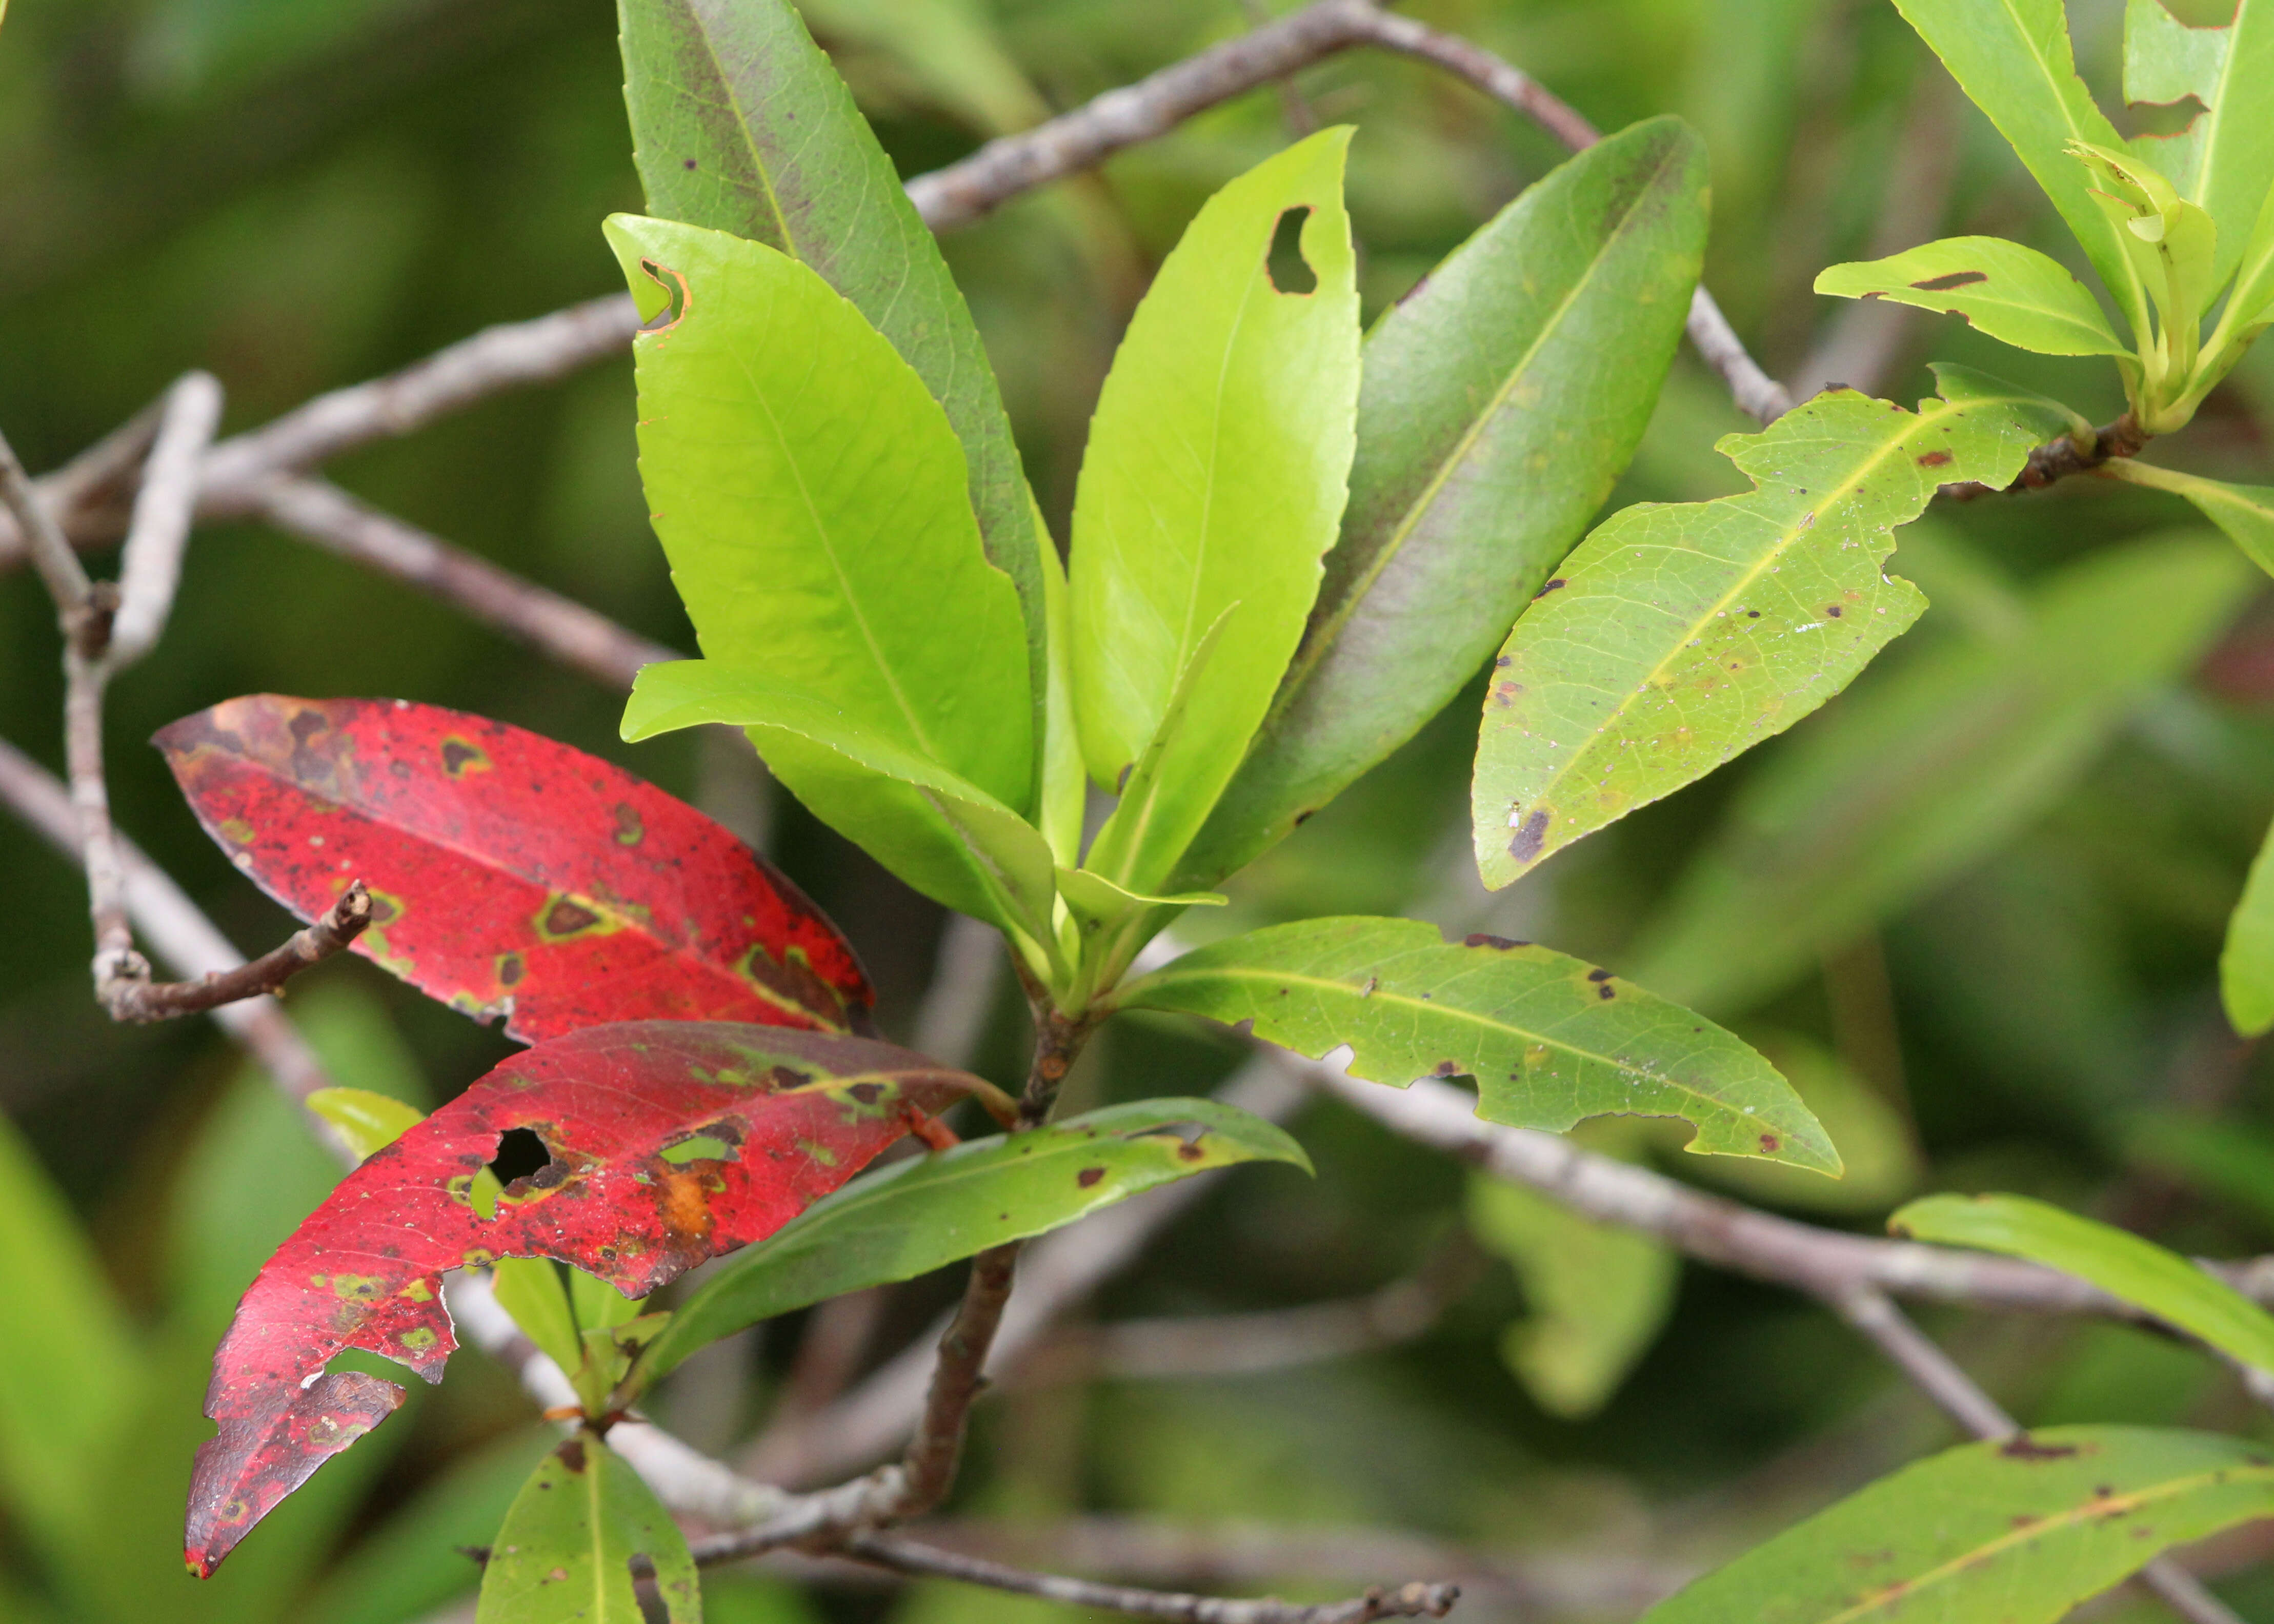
[[1277, 1339], [128, 999], [557, 626], [44, 539], [183, 939], [1057, 1272], [1958, 1395], [1409, 1601], [150, 568]]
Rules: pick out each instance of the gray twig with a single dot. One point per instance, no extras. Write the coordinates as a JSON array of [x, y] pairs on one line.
[[183, 939], [1408, 1601], [559, 626]]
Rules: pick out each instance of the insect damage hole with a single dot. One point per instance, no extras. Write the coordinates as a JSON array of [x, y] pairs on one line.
[[520, 1152], [1288, 271]]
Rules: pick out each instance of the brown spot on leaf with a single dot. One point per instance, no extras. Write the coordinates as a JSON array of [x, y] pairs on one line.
[[458, 758], [1526, 843], [1553, 585], [1089, 1176], [572, 1454], [307, 724], [629, 830], [1190, 1152], [1933, 459], [1477, 938], [2022, 1447], [1598, 975], [868, 1093], [1833, 610], [510, 969], [1771, 1144], [1955, 279], [567, 917]]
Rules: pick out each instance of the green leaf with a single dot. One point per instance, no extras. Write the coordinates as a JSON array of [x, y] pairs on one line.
[[529, 1289], [2141, 1273], [70, 1374], [1148, 825], [2171, 243], [1212, 482], [2224, 160], [1882, 1155], [566, 1548], [2246, 965], [741, 125], [2014, 294], [944, 835], [1099, 904], [368, 1121], [2011, 1532], [1949, 756], [1500, 400], [811, 498], [2245, 512], [1676, 636], [402, 1570], [1598, 1295], [2013, 57], [920, 1215], [2252, 305], [1549, 1040]]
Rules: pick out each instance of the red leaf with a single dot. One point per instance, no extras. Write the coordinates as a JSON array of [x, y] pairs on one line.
[[509, 874], [671, 1142]]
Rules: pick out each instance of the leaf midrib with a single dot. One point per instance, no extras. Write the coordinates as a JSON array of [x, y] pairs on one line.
[[743, 122], [2057, 1522], [1384, 996], [1308, 658], [2136, 311], [828, 540]]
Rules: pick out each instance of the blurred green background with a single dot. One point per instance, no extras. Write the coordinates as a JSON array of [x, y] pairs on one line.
[[1974, 907]]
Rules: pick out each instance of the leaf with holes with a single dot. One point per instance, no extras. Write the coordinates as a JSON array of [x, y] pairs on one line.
[[1677, 636], [2154, 1280], [1212, 485], [664, 1143], [1500, 400], [2224, 157], [2015, 1532], [741, 125], [2013, 57], [512, 877], [2014, 294], [570, 1538], [919, 1215], [1549, 1040]]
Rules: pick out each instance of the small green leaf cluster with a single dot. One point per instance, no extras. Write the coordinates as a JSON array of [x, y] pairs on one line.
[[2169, 222], [1291, 547]]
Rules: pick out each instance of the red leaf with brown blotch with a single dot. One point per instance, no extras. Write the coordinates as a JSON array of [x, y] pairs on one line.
[[670, 1142], [510, 876]]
